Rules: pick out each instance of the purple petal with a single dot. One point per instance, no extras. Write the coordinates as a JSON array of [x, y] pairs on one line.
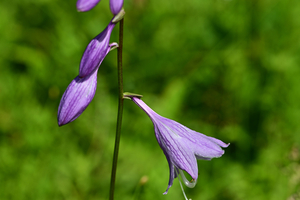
[[172, 175], [171, 166], [76, 98], [95, 52], [86, 5], [179, 149], [115, 6], [202, 145]]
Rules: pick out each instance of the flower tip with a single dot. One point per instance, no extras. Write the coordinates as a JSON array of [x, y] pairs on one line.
[[86, 5], [80, 8], [60, 124], [226, 145], [60, 120], [166, 192]]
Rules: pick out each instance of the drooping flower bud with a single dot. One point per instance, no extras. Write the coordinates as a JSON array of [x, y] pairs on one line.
[[115, 6], [95, 52], [76, 98], [86, 5]]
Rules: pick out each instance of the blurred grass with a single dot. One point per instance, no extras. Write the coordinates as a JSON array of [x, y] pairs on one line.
[[226, 68]]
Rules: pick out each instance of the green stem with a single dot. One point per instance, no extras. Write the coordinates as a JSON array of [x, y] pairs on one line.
[[120, 112]]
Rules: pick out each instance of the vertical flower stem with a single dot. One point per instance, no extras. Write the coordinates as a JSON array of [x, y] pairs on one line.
[[120, 112]]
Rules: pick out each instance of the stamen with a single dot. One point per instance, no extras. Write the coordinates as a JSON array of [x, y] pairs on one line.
[[186, 182], [182, 189]]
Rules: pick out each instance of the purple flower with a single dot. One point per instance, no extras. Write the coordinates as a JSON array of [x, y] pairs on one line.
[[86, 5], [115, 6], [76, 98], [181, 145], [96, 51]]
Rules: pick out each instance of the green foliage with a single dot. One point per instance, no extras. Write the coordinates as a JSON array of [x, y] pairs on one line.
[[227, 68]]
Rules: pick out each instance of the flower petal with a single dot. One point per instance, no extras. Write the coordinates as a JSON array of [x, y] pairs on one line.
[[171, 166], [76, 98], [95, 52], [202, 145], [86, 5], [178, 149]]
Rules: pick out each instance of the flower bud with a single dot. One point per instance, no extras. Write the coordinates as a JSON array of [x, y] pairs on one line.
[[86, 5], [95, 52], [76, 98], [115, 6]]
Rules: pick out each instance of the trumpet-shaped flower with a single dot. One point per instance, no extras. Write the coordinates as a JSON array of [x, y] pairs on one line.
[[181, 145], [96, 51], [86, 5], [115, 6]]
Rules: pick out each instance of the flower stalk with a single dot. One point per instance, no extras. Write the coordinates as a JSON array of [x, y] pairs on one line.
[[120, 113]]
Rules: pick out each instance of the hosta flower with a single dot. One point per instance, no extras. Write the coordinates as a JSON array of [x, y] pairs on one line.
[[96, 51], [181, 145], [86, 5], [115, 6], [76, 98]]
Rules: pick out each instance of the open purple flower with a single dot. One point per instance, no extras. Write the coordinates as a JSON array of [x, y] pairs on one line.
[[96, 51], [181, 145], [86, 5], [115, 6]]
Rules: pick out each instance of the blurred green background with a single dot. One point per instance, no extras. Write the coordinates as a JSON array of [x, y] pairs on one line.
[[227, 68]]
